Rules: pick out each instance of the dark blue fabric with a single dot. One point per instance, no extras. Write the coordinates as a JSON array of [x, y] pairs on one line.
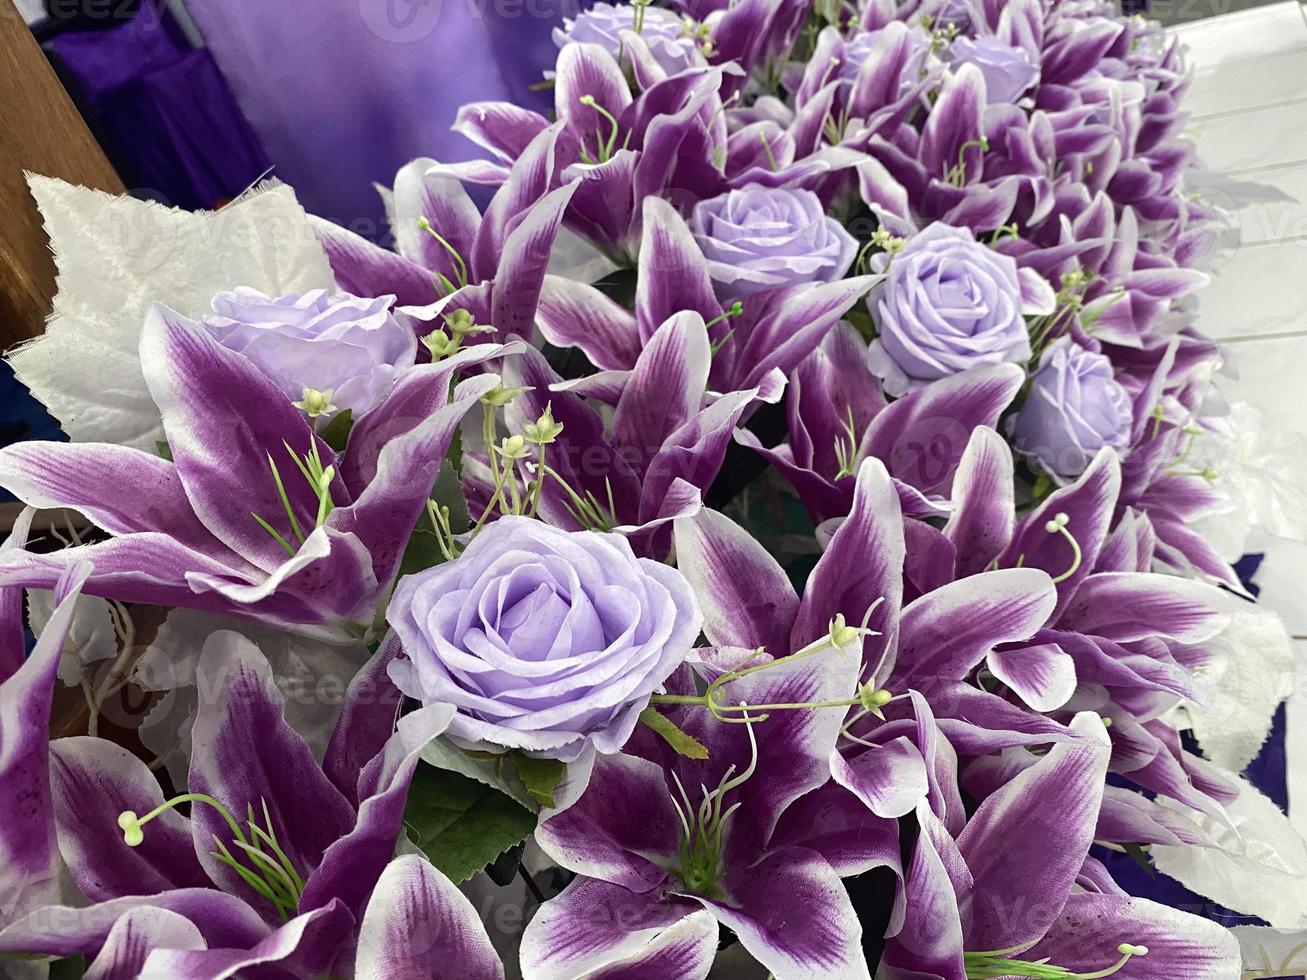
[[161, 110], [22, 416]]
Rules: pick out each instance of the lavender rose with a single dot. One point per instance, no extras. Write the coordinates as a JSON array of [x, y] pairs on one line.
[[662, 29], [1075, 408], [1008, 71], [757, 238], [948, 304], [347, 346], [545, 640]]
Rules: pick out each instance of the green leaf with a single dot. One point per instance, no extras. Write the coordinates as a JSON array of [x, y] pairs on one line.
[[460, 824], [336, 434], [539, 776], [685, 744], [163, 449], [487, 769]]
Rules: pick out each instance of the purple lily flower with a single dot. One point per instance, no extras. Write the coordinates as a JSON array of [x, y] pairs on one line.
[[665, 446], [282, 867], [838, 416], [450, 256], [930, 643], [1121, 638], [254, 515], [979, 907], [756, 344], [657, 869]]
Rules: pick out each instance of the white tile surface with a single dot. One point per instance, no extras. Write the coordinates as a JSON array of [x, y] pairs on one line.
[[1249, 106]]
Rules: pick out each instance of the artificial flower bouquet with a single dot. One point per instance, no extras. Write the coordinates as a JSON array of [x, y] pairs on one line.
[[764, 536]]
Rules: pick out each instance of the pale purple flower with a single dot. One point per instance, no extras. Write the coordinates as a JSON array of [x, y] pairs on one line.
[[1075, 408], [1009, 71], [757, 238], [663, 30], [546, 640], [330, 342], [948, 304]]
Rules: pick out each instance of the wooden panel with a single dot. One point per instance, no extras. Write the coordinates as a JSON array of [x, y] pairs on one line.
[[40, 130]]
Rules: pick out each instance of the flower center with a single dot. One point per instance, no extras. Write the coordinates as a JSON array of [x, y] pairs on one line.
[[982, 966], [703, 829], [269, 872]]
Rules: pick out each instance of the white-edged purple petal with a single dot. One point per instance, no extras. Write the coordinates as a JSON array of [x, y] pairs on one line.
[[862, 568], [27, 835], [792, 913], [132, 938], [594, 925], [984, 508], [619, 828], [92, 782], [1052, 807], [307, 944], [747, 599], [417, 924], [245, 755], [1042, 675], [1086, 935], [673, 271], [946, 633], [224, 420], [575, 314]]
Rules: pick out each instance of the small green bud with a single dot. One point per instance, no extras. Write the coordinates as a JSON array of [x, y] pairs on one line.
[[440, 344], [513, 447], [316, 403], [460, 322], [543, 430], [841, 633]]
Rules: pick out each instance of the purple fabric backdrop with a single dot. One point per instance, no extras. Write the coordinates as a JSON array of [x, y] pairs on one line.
[[343, 92]]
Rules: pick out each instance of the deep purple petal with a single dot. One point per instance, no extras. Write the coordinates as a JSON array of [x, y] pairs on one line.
[[746, 597], [93, 781], [792, 913], [244, 754], [1053, 807]]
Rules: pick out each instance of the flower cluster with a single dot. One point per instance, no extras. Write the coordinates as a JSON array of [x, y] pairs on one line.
[[798, 554]]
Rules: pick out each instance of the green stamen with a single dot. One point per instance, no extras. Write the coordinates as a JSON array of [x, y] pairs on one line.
[[985, 966], [272, 876], [605, 147], [460, 267]]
